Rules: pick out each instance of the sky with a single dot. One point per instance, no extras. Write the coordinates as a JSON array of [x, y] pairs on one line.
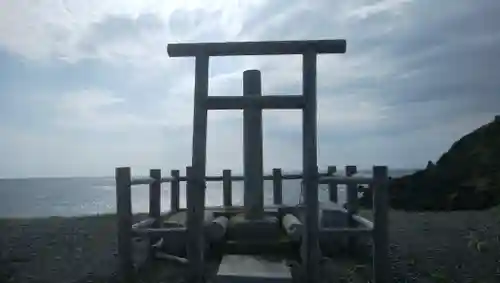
[[87, 86]]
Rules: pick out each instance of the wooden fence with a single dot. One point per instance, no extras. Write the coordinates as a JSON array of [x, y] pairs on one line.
[[151, 226]]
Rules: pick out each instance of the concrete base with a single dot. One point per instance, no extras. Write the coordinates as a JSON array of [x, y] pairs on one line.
[[240, 228], [174, 245], [333, 218], [216, 230], [249, 269]]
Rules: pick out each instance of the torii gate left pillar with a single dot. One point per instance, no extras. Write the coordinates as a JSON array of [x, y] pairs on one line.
[[253, 102]]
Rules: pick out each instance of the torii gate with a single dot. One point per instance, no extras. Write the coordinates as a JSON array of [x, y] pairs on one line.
[[252, 102]]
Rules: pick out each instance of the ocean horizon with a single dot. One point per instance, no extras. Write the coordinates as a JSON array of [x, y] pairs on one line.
[[81, 196]]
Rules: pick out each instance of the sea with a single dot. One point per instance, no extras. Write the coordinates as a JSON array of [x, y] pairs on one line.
[[67, 197]]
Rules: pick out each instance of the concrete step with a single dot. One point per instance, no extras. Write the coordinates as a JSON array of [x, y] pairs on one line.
[[252, 269]]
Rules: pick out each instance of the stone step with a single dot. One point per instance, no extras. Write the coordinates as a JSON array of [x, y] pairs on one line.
[[250, 269]]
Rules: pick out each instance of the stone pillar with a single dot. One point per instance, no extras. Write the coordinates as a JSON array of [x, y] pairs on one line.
[[252, 147]]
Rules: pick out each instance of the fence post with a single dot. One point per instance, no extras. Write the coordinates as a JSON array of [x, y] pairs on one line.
[[332, 186], [352, 191], [227, 197], [174, 191], [155, 203], [195, 233], [352, 200], [124, 223], [381, 263], [277, 186]]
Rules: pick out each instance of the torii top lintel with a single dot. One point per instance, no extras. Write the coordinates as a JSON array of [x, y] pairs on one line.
[[256, 48]]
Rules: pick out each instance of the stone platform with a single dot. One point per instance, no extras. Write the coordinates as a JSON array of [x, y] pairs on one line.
[[264, 236]]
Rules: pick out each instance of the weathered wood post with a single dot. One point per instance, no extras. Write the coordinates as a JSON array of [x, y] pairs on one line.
[[277, 186], [253, 196], [352, 203], [381, 262], [155, 196], [124, 225], [174, 190], [310, 251], [227, 195], [155, 203], [352, 192], [195, 230], [196, 186], [332, 186]]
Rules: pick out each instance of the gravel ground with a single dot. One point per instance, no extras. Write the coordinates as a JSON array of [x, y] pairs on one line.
[[59, 249], [460, 246], [425, 247]]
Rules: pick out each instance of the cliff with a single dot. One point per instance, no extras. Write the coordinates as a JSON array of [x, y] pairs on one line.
[[467, 176]]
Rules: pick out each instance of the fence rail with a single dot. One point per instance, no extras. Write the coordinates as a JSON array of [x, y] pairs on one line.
[[141, 181], [269, 177], [324, 178], [330, 177]]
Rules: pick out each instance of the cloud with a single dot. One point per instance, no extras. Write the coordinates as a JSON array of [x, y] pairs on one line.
[[390, 6], [95, 110], [96, 76], [133, 32]]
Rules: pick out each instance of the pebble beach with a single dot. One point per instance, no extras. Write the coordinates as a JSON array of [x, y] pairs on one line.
[[462, 246]]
